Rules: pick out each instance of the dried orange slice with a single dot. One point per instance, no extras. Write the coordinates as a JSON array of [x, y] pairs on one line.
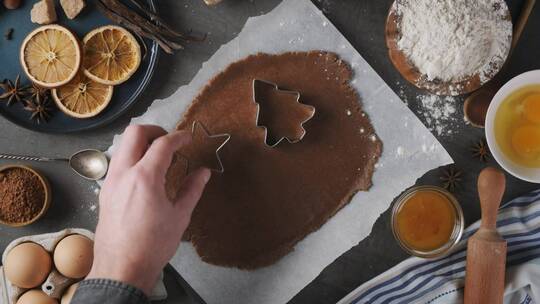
[[82, 97], [111, 55], [51, 56]]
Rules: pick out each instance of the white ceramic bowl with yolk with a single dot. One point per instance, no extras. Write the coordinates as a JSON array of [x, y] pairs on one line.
[[519, 171]]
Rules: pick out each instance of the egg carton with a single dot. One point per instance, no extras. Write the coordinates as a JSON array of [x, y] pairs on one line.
[[55, 284]]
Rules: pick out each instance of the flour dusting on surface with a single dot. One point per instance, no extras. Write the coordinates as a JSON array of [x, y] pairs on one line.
[[439, 113], [400, 151]]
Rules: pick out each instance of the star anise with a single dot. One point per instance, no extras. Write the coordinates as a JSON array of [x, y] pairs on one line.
[[480, 150], [13, 91], [40, 107], [451, 178], [34, 90]]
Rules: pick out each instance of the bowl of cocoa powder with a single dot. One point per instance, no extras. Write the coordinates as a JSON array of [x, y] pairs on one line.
[[25, 195]]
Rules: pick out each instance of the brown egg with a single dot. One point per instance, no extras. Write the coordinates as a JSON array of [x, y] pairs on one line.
[[36, 296], [69, 293], [27, 265], [73, 256]]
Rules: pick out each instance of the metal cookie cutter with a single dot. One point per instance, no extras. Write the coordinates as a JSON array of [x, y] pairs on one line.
[[308, 110], [225, 136]]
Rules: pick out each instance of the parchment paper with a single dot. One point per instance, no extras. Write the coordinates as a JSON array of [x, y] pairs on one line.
[[409, 151]]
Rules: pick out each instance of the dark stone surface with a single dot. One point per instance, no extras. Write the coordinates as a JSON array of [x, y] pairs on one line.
[[362, 22]]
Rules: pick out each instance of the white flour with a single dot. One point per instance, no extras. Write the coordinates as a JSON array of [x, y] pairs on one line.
[[439, 114], [449, 40]]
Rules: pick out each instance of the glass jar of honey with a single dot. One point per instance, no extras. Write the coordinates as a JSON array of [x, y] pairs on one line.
[[427, 221]]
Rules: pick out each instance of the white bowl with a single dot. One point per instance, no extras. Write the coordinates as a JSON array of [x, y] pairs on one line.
[[521, 172]]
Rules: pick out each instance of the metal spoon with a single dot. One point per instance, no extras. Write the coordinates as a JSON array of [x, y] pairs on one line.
[[90, 164], [476, 105]]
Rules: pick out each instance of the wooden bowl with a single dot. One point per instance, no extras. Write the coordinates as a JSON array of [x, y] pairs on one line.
[[413, 75], [46, 188]]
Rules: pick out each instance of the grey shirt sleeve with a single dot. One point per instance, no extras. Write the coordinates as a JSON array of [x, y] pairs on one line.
[[103, 291]]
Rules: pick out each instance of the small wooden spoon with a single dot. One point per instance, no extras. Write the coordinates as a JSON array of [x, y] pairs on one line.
[[477, 104], [486, 250]]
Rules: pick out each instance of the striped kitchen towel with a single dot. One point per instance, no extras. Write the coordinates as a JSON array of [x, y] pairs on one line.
[[436, 281]]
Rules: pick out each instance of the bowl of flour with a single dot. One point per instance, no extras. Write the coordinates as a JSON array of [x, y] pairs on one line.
[[449, 47]]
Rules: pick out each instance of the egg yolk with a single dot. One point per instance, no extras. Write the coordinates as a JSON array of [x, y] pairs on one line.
[[532, 108], [526, 141]]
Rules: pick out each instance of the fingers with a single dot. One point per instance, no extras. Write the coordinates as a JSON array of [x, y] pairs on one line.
[[191, 191], [135, 141], [159, 156]]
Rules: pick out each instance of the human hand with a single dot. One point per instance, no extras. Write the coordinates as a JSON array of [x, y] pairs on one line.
[[139, 228]]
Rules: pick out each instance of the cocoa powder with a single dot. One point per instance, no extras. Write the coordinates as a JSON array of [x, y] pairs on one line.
[[22, 195]]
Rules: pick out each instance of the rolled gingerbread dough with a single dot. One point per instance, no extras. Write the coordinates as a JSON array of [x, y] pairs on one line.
[[268, 199]]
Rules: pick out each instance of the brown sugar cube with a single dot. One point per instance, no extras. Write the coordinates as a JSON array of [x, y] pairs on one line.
[[43, 12], [72, 8], [212, 2]]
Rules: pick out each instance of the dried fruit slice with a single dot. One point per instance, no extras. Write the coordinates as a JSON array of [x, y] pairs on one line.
[[111, 55], [50, 56], [82, 97]]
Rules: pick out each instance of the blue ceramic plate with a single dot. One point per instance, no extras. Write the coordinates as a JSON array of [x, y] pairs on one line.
[[125, 95]]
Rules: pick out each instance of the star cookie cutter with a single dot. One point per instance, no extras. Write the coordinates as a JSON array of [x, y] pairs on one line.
[[308, 110], [225, 136]]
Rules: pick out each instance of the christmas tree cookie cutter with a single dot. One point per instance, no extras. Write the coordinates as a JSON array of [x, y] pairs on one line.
[[308, 112]]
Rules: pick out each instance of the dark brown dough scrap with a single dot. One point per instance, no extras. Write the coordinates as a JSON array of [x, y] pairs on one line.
[[268, 199]]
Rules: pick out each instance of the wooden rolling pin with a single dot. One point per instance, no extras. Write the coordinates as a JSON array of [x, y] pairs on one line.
[[486, 250]]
